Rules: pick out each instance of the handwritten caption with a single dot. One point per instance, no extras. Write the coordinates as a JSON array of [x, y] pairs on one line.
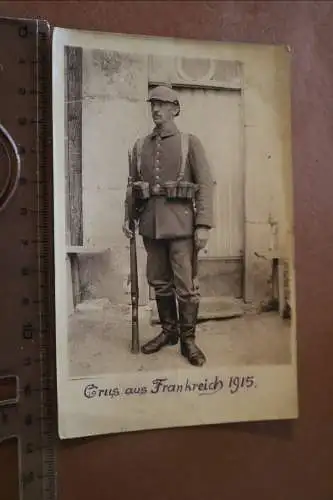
[[231, 384]]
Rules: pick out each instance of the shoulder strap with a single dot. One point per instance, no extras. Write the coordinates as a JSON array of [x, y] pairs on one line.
[[184, 140]]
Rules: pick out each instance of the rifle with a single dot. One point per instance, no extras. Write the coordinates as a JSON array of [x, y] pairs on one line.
[[133, 263]]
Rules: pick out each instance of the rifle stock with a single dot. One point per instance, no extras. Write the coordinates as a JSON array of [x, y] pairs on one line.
[[134, 293], [133, 268]]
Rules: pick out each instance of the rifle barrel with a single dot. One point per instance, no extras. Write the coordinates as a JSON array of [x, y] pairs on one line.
[[133, 267]]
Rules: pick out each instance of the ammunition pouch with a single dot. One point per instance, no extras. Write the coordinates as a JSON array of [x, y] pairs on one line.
[[171, 190], [180, 190], [141, 190]]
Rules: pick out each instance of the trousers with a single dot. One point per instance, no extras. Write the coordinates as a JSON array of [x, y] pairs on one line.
[[171, 268]]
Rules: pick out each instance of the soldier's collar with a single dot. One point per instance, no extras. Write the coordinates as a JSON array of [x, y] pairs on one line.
[[168, 130]]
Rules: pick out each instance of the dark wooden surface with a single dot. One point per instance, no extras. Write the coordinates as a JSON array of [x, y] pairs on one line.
[[274, 460]]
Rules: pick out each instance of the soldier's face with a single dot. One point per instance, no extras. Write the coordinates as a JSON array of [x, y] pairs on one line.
[[162, 112]]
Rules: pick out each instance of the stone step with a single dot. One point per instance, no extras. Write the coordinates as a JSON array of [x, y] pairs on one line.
[[211, 308]]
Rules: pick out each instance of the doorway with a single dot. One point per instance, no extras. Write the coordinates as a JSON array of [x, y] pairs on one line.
[[215, 116]]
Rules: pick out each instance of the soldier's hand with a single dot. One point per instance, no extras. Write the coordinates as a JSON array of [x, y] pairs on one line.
[[201, 237], [126, 230]]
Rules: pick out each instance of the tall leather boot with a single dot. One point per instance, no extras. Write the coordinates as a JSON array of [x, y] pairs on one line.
[[188, 314], [167, 310]]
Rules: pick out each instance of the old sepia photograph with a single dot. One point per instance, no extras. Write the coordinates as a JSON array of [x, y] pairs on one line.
[[173, 213]]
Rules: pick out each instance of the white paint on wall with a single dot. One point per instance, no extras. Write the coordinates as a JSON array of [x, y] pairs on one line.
[[114, 115]]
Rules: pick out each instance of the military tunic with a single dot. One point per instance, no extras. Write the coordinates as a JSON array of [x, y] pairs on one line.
[[167, 226], [160, 162]]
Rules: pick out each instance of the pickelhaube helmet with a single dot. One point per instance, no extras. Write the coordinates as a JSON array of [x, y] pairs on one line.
[[163, 93]]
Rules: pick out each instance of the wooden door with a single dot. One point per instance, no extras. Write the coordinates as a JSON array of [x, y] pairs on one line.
[[214, 115]]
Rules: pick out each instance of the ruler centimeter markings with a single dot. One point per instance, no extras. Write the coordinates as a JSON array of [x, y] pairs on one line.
[[26, 249]]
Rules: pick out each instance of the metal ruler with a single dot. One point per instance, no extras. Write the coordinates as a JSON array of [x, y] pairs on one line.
[[26, 254]]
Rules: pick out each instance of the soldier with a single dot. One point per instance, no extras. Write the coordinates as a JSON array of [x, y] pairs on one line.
[[174, 187]]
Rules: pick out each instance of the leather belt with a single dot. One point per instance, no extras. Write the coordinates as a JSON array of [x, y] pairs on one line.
[[157, 190]]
